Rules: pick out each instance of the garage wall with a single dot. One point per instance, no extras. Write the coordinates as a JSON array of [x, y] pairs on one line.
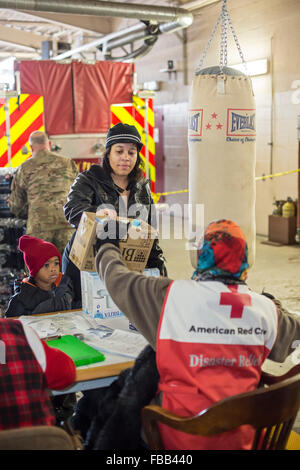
[[265, 29]]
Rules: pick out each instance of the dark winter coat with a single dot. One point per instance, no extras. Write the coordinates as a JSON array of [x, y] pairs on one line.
[[111, 418], [29, 299]]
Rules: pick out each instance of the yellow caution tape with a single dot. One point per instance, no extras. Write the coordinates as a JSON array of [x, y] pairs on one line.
[[157, 196], [277, 174]]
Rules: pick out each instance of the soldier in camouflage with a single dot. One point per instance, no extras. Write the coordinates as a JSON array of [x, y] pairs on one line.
[[39, 191]]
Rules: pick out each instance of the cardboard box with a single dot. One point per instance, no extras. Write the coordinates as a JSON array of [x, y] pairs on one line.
[[96, 300], [135, 248], [282, 230]]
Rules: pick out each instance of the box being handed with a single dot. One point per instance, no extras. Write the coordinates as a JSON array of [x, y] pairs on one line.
[[96, 300], [135, 246]]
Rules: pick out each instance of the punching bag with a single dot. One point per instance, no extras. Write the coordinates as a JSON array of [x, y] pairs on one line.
[[221, 140]]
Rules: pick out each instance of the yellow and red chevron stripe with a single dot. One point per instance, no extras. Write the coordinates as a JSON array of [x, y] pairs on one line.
[[26, 115], [134, 114]]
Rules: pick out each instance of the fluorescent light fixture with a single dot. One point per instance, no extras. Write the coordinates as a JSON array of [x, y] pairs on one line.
[[254, 67], [7, 72], [152, 86]]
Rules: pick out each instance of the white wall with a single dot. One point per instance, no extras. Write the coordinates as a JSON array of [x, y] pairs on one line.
[[265, 29]]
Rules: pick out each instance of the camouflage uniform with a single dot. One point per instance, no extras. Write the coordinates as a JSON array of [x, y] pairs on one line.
[[39, 191]]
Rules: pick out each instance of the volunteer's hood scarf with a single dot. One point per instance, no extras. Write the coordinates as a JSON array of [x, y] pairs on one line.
[[223, 255]]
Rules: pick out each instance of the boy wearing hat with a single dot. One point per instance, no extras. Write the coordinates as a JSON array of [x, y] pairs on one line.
[[46, 289]]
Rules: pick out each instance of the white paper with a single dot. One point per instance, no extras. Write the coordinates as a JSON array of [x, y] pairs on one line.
[[59, 323], [93, 332], [120, 342]]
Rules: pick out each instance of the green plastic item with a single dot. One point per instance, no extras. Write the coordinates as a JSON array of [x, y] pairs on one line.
[[81, 353]]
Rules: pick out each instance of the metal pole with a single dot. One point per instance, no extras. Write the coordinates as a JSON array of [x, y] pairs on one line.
[[146, 137], [7, 117]]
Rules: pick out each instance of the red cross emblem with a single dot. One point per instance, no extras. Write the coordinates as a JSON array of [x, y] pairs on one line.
[[236, 300]]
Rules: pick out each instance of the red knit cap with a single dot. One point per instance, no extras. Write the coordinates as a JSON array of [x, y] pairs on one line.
[[37, 252]]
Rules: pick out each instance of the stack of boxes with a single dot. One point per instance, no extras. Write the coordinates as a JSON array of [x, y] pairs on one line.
[[96, 301]]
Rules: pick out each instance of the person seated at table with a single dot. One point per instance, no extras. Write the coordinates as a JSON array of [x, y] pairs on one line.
[[28, 367], [46, 289], [211, 334]]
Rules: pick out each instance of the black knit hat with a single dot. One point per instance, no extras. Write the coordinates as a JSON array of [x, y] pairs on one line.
[[123, 133]]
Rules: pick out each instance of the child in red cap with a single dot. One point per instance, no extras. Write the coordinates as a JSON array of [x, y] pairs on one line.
[[46, 289]]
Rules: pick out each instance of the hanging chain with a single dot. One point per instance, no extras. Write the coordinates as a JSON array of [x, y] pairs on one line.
[[224, 16], [208, 44], [223, 46]]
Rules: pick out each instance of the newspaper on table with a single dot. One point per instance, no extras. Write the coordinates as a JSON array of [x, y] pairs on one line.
[[90, 330]]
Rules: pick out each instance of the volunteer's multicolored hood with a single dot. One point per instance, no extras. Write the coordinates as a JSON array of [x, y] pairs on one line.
[[224, 252]]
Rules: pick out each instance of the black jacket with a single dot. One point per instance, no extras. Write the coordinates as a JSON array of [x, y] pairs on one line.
[[111, 418], [29, 299], [94, 188]]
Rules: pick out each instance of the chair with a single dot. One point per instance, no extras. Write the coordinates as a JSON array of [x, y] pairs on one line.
[[271, 411], [38, 438]]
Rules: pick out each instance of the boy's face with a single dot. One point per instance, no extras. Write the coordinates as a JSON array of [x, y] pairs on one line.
[[48, 274]]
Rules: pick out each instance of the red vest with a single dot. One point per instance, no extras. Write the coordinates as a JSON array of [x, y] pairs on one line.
[[24, 400], [212, 341]]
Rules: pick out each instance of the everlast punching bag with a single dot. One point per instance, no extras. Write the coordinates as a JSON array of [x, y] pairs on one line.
[[221, 139]]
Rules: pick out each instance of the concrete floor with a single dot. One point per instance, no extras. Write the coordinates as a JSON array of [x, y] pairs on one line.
[[276, 270]]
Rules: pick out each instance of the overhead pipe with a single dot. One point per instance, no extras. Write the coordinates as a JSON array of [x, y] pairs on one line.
[[147, 30], [97, 8], [138, 53], [165, 28], [149, 34], [145, 33], [172, 19], [137, 28]]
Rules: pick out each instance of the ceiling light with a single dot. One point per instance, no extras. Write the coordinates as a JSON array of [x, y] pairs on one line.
[[253, 68]]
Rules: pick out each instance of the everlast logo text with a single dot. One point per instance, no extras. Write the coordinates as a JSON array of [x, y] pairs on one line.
[[240, 122], [194, 122]]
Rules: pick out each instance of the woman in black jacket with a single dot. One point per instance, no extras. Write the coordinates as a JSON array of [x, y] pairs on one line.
[[115, 188]]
